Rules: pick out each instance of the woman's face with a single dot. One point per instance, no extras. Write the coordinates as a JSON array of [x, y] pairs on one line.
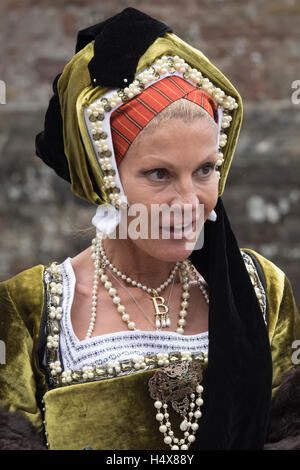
[[172, 165]]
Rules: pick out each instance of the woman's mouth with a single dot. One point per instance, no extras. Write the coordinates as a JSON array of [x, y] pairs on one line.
[[179, 231]]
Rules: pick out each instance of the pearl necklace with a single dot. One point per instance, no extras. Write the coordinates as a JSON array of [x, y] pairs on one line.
[[137, 303], [187, 426], [162, 318], [97, 249], [135, 283], [178, 384]]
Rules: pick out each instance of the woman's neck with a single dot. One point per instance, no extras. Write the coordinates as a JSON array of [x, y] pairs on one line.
[[136, 263]]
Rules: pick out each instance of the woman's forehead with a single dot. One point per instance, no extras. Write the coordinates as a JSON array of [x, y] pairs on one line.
[[166, 144], [176, 132]]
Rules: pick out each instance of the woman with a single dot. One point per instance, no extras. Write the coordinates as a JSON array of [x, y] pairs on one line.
[[109, 349]]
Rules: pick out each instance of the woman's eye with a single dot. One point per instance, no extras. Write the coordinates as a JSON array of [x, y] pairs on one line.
[[208, 168], [158, 171], [159, 174]]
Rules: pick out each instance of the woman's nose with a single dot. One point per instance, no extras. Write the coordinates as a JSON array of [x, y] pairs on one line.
[[185, 192], [185, 202]]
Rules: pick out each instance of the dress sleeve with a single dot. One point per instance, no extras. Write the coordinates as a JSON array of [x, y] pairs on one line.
[[21, 383], [285, 335], [283, 319]]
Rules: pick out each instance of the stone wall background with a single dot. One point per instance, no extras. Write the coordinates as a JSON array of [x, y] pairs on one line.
[[255, 43]]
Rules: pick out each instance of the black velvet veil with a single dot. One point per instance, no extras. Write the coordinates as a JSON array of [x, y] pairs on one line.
[[238, 381]]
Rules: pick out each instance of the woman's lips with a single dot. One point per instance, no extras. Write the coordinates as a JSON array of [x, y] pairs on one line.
[[182, 232]]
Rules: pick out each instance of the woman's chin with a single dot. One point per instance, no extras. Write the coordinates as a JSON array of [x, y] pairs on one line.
[[172, 250]]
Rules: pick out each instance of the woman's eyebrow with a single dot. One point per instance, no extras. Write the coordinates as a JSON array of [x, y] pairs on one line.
[[161, 161]]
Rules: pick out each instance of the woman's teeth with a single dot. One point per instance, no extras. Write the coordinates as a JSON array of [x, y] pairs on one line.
[[179, 227]]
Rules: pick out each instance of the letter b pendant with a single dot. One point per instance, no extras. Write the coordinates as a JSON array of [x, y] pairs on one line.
[[162, 319]]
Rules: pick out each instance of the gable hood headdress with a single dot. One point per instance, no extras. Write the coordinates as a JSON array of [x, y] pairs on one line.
[[106, 73]]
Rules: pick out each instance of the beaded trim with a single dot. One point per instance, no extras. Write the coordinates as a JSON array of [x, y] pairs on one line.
[[53, 281], [257, 284], [97, 116]]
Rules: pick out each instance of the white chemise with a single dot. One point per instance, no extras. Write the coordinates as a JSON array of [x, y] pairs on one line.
[[120, 346]]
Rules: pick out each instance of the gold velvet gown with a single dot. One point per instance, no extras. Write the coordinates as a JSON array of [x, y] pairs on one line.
[[107, 407]]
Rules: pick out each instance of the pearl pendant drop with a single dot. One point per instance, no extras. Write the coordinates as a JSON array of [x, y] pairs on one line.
[[189, 425]]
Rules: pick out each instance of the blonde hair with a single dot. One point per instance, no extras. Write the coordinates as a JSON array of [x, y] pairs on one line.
[[183, 110]]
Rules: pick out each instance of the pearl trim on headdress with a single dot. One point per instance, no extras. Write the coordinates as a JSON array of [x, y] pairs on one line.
[[97, 118]]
